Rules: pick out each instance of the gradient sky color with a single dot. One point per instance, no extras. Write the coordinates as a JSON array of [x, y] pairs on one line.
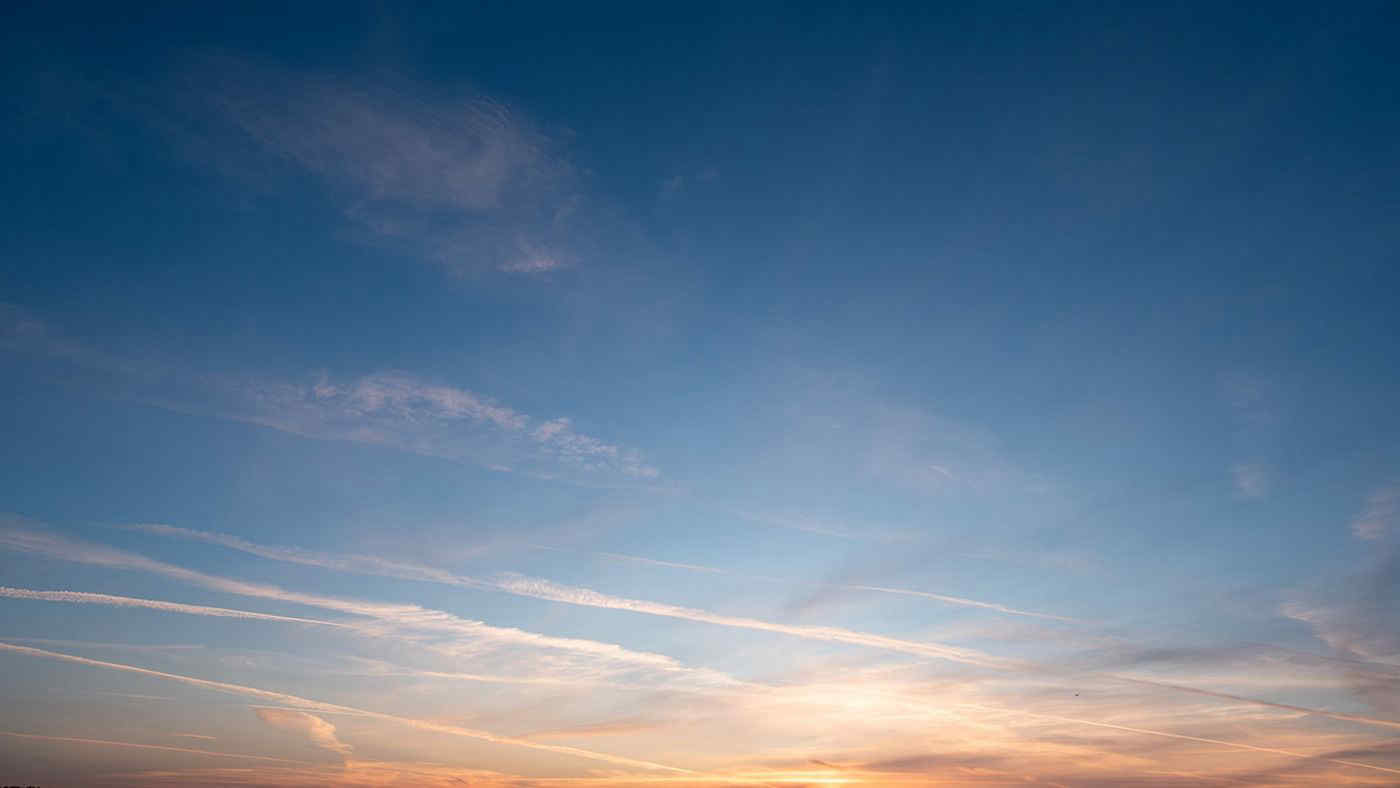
[[989, 394]]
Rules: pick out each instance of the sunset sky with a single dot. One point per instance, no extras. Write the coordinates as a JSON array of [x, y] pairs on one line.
[[450, 394]]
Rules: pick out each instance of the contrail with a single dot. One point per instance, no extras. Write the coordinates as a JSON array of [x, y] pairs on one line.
[[952, 600], [668, 564], [405, 616], [107, 742], [541, 589], [957, 600], [544, 589], [520, 585], [84, 597], [306, 703], [1336, 715]]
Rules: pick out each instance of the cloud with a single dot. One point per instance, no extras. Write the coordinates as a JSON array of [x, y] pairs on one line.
[[521, 585], [315, 705], [590, 453], [617, 728], [1251, 480], [465, 181], [448, 634], [544, 589], [952, 600], [669, 564], [83, 597], [390, 409], [1355, 616], [955, 600], [1355, 619], [320, 732], [410, 617], [1186, 737], [410, 414], [138, 746], [1381, 516]]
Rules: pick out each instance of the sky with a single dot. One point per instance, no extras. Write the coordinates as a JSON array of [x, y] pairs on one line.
[[787, 395]]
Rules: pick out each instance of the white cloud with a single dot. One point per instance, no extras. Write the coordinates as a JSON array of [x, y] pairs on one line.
[[411, 414], [392, 409], [437, 630], [589, 452], [320, 732], [510, 583], [83, 597]]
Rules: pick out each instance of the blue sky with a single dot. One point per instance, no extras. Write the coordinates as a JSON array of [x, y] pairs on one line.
[[972, 394]]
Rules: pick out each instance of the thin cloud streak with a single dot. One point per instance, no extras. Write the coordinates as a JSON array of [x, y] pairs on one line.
[[397, 617], [315, 705], [390, 409], [409, 414], [952, 600], [542, 590], [1181, 736], [956, 600], [1335, 715], [135, 745], [521, 585], [87, 598], [669, 564], [1381, 516]]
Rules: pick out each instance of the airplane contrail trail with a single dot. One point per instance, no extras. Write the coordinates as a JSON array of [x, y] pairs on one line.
[[307, 703], [84, 597], [107, 742]]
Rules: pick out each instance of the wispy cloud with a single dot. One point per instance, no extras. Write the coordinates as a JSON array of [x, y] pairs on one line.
[[956, 600], [139, 746], [858, 696], [544, 589], [1381, 516], [414, 415], [391, 409], [320, 732], [668, 564], [465, 181], [1186, 737], [1355, 616], [521, 585], [1251, 480], [541, 589], [559, 437], [616, 728], [451, 634], [314, 705], [952, 600], [83, 597]]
